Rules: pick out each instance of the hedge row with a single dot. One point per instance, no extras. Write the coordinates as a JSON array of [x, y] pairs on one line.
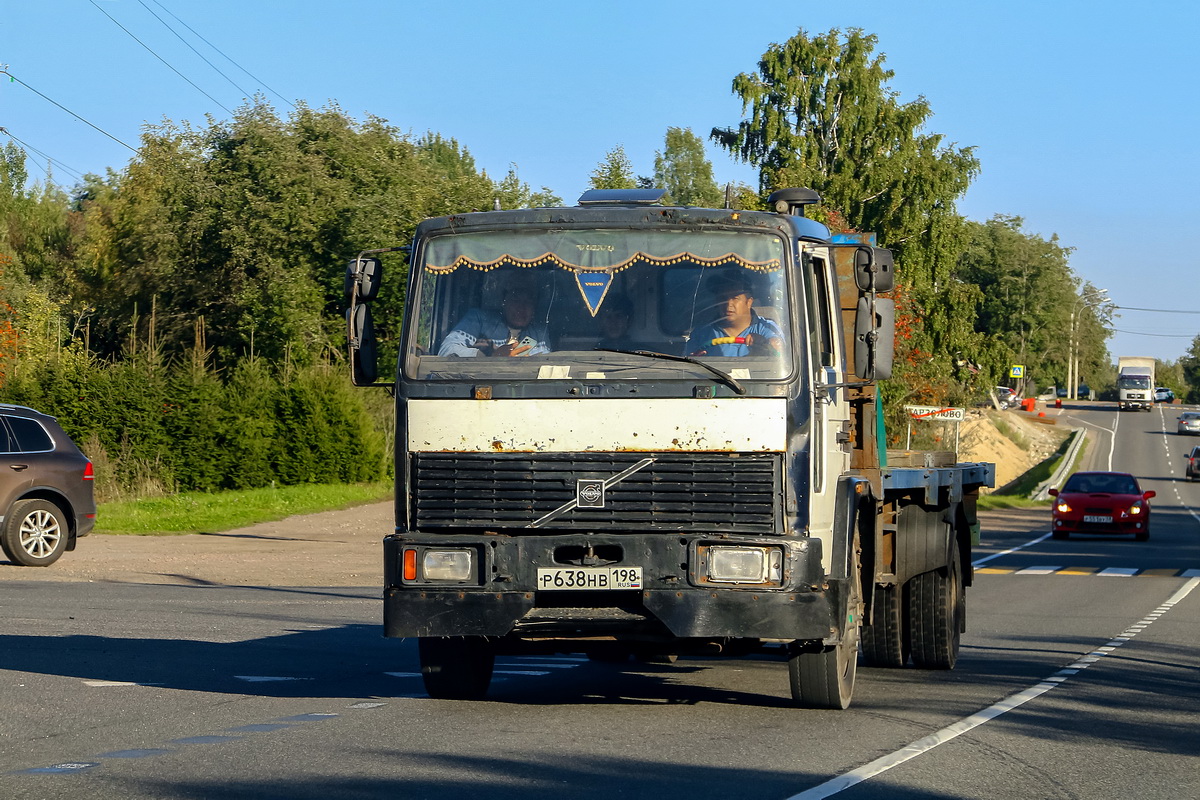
[[152, 427]]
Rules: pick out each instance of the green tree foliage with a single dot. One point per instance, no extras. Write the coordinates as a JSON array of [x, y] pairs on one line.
[[683, 170], [614, 172], [248, 224], [253, 426], [1029, 299], [153, 427], [1190, 364], [512, 192], [821, 115]]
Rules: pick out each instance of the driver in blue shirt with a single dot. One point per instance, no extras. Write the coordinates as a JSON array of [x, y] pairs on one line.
[[509, 332], [739, 331]]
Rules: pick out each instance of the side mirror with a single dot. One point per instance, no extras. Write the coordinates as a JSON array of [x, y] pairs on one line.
[[360, 332], [874, 338], [1053, 492], [874, 269], [366, 274], [1149, 494]]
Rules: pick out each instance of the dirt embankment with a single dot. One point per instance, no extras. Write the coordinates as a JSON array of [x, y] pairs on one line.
[[344, 548], [994, 435]]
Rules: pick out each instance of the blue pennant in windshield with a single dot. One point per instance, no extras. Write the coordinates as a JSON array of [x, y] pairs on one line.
[[593, 286]]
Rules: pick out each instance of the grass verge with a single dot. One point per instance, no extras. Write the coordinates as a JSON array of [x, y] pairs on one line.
[[1016, 495], [213, 512]]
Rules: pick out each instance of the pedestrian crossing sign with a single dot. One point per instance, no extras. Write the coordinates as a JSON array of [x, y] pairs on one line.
[[1016, 371]]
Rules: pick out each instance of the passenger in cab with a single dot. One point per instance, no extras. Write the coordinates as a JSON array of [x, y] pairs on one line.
[[510, 331], [614, 317]]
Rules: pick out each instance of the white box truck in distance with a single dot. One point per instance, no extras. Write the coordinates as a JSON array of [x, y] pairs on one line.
[[1135, 383]]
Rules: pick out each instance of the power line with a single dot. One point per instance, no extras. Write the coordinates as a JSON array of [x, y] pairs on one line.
[[222, 54], [1158, 335], [50, 160], [160, 58], [194, 50], [64, 108], [1156, 310]]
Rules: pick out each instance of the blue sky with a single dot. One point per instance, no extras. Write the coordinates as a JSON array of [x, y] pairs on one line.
[[1082, 113]]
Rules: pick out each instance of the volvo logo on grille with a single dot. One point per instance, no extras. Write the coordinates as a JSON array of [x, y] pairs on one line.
[[589, 494]]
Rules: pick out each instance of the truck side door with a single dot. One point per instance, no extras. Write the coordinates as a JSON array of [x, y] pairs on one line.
[[831, 411]]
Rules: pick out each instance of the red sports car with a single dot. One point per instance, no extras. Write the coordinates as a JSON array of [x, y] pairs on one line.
[[1102, 502]]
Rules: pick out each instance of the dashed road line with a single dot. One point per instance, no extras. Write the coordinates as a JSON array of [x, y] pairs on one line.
[[109, 684], [1099, 572]]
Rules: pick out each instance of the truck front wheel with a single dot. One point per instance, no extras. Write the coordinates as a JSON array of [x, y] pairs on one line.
[[457, 668], [937, 608], [825, 678]]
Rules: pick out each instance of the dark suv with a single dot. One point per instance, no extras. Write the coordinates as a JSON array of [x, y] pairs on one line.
[[46, 493], [1192, 468]]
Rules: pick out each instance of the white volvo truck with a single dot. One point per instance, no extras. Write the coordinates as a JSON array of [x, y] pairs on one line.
[[1135, 383], [638, 431]]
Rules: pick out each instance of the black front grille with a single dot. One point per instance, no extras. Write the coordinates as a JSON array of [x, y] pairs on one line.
[[684, 492]]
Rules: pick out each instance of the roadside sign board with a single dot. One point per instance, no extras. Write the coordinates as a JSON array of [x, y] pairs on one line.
[[936, 412], [1016, 371]]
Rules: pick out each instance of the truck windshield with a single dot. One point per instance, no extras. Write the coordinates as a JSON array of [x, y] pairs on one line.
[[1133, 382], [527, 305]]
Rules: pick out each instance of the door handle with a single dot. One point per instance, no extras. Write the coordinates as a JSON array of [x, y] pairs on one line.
[[18, 467]]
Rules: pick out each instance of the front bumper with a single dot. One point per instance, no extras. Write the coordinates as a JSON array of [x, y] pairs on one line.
[[1118, 527], [505, 601]]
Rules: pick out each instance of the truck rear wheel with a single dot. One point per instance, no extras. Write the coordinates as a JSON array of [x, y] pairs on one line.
[[885, 642], [825, 678], [937, 607], [458, 668]]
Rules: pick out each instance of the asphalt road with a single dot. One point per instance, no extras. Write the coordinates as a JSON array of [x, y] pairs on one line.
[[1077, 679]]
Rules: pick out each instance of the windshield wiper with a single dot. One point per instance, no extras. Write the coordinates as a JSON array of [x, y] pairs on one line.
[[721, 375]]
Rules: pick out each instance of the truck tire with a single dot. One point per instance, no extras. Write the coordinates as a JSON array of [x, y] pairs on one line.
[[885, 642], [35, 533], [457, 668], [825, 678], [937, 607]]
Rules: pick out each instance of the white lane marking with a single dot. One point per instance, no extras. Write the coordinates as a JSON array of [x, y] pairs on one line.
[[367, 705], [403, 674], [1030, 543], [106, 684], [1182, 502], [1118, 572], [1038, 570], [556, 665], [267, 678], [921, 746], [1112, 440], [522, 672]]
